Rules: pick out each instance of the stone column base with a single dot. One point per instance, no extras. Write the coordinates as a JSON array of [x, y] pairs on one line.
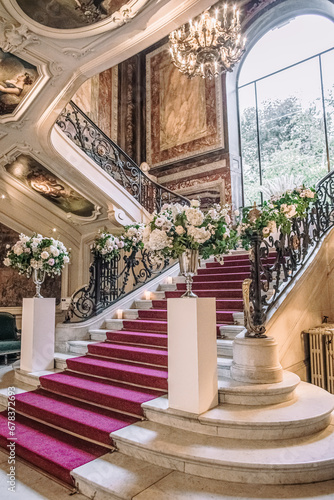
[[256, 361]]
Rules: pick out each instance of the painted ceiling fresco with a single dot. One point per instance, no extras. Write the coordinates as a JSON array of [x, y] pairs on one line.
[[37, 178], [17, 78], [69, 14]]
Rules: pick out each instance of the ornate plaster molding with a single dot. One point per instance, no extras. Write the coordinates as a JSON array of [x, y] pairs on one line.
[[15, 38], [77, 220], [77, 53], [116, 216]]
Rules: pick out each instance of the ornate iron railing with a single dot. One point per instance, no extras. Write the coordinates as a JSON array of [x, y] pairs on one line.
[[110, 281], [277, 260], [113, 160]]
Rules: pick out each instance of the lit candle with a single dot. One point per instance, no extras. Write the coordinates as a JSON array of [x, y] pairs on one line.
[[119, 313], [238, 13], [169, 280], [147, 295]]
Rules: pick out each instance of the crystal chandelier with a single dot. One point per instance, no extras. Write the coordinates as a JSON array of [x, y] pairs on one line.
[[208, 46]]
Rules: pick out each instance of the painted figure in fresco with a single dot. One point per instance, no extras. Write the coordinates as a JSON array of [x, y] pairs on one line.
[[11, 91]]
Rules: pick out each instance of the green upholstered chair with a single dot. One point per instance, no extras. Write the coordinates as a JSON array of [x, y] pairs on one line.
[[9, 335]]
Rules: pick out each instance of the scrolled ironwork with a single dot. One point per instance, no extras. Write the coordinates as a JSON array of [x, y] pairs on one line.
[[111, 280], [277, 260], [113, 160]]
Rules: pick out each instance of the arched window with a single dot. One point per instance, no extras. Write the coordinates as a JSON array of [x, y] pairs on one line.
[[286, 104]]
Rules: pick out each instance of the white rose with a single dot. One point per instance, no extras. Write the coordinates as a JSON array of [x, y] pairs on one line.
[[6, 262], [55, 252], [7, 246], [45, 255], [179, 230], [195, 203], [17, 250], [66, 259], [236, 213]]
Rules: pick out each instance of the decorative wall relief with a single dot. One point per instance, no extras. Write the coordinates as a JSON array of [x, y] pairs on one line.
[[36, 177], [184, 117], [69, 14], [13, 287], [13, 38], [17, 77]]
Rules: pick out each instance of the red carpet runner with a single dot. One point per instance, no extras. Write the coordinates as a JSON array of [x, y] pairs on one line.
[[103, 390]]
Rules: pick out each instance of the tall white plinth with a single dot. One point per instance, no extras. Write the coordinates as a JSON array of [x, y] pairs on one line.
[[192, 354], [38, 334]]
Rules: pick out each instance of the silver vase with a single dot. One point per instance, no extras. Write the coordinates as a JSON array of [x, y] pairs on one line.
[[38, 278], [188, 261]]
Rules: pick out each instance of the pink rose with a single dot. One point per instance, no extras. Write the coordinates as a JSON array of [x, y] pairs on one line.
[[51, 262]]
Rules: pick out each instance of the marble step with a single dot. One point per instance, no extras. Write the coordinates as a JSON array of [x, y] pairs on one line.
[[309, 413], [98, 335], [32, 378], [78, 346], [224, 367], [225, 348], [143, 304], [287, 461], [113, 324], [116, 476], [60, 360], [240, 393], [166, 287], [231, 331]]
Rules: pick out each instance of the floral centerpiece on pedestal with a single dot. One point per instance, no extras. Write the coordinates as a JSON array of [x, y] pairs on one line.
[[38, 256], [185, 232]]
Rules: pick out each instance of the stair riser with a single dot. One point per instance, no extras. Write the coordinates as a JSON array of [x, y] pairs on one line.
[[119, 375], [248, 431], [240, 275], [200, 293], [81, 430], [93, 397], [136, 339], [154, 315], [205, 285], [155, 359], [220, 303], [236, 263], [144, 327], [230, 472]]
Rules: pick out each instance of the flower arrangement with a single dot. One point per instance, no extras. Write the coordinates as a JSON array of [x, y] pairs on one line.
[[107, 245], [133, 237], [278, 212], [37, 252], [177, 228]]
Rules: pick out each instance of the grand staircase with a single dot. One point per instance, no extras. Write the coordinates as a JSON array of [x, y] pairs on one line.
[[115, 395]]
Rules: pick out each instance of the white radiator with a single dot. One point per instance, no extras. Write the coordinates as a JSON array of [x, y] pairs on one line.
[[321, 344]]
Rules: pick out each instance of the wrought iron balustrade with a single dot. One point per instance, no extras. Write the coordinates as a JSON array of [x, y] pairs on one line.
[[289, 253], [113, 160], [110, 281]]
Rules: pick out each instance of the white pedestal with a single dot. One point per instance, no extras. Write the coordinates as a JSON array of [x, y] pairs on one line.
[[38, 334], [256, 361], [192, 354]]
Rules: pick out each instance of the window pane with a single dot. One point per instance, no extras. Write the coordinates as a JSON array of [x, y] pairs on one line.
[[249, 150], [327, 61], [291, 124]]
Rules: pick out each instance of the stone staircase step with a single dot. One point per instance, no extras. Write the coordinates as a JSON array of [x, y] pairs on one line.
[[225, 348], [231, 331], [240, 393], [78, 346], [61, 358], [300, 460], [143, 304], [308, 414], [98, 335], [224, 367], [117, 476], [130, 314]]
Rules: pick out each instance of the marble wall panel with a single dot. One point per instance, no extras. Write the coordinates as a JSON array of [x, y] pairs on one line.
[[184, 117]]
